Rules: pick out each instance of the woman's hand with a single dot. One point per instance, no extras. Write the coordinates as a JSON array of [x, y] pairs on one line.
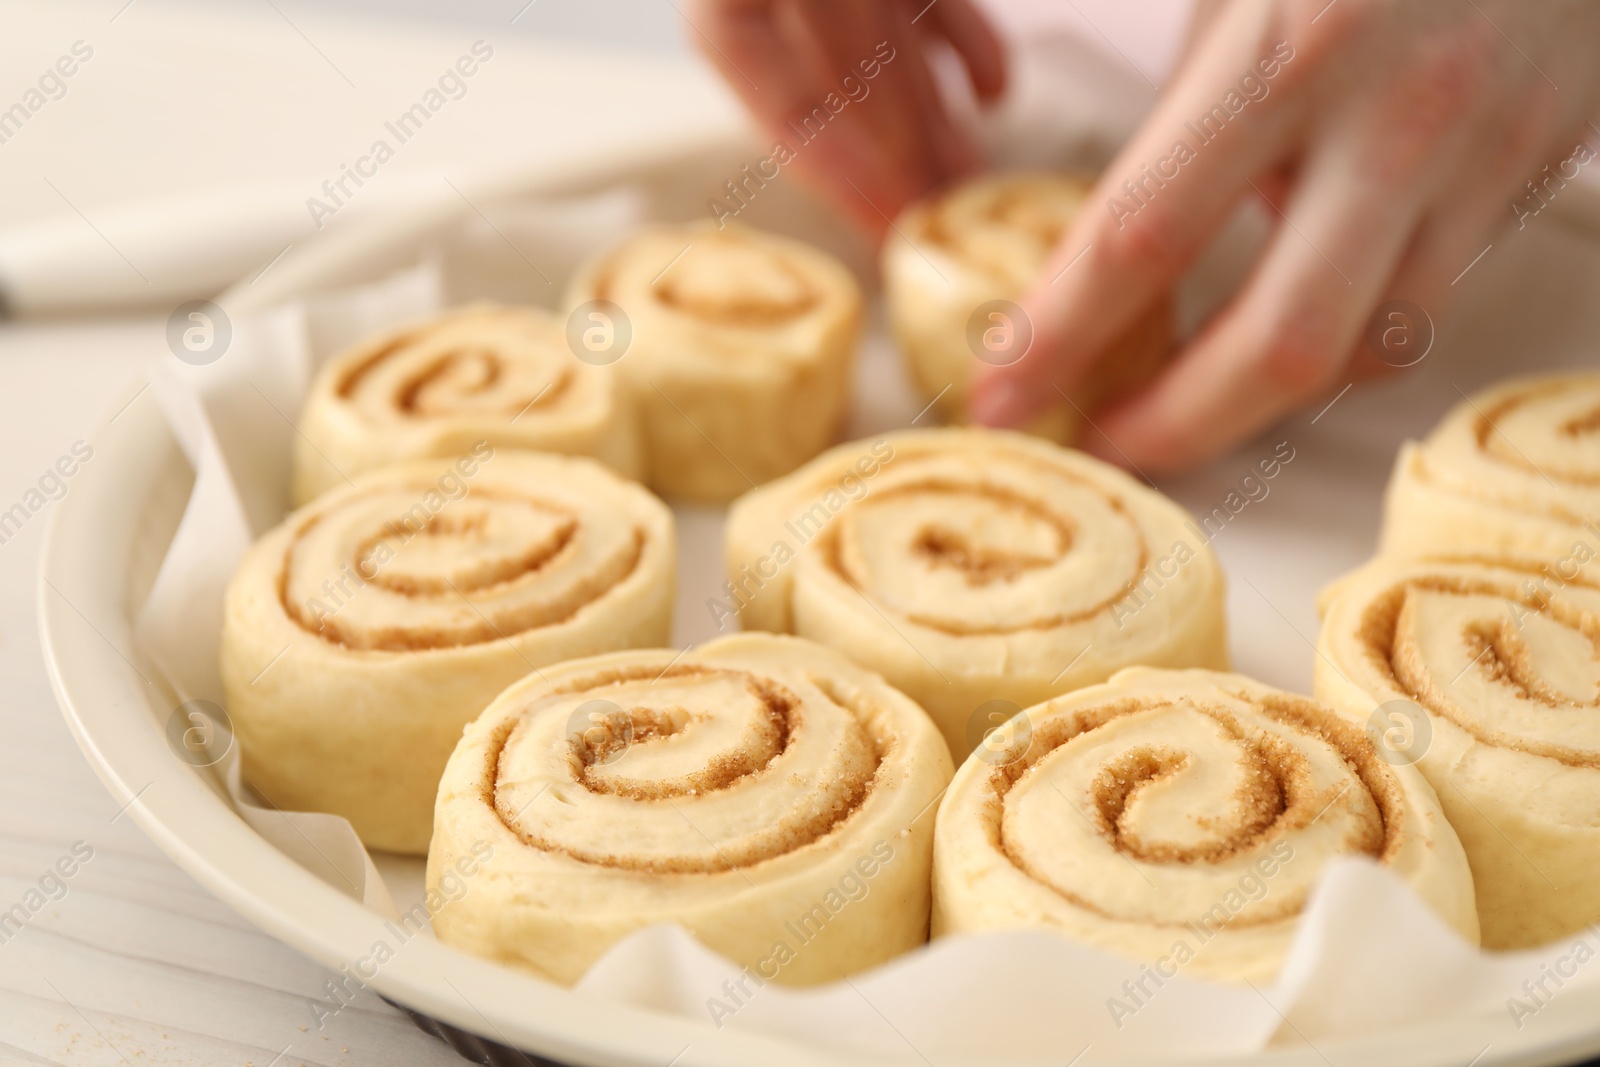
[[1392, 140], [892, 138]]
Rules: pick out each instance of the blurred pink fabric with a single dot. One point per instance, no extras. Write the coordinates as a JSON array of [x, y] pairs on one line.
[[1147, 34]]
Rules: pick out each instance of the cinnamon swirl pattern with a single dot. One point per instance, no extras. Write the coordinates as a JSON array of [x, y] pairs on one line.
[[969, 566], [1487, 676], [761, 791], [364, 632], [478, 373], [1513, 471], [985, 242], [1181, 818], [740, 354]]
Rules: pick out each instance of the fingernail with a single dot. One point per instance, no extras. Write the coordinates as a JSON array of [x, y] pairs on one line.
[[1004, 405]]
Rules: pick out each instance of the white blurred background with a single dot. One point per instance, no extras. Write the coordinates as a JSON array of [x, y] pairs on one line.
[[193, 136]]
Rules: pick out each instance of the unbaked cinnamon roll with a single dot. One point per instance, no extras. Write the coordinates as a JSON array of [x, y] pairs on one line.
[[953, 270], [761, 791], [1181, 818], [739, 351], [1513, 471], [364, 632], [504, 375], [974, 566], [1487, 677]]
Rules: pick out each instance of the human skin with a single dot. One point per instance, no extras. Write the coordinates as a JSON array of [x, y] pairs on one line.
[[1389, 153]]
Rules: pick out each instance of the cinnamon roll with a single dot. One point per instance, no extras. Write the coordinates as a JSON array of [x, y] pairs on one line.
[[761, 791], [958, 260], [739, 353], [364, 632], [1487, 677], [504, 375], [1181, 818], [1512, 471], [969, 566]]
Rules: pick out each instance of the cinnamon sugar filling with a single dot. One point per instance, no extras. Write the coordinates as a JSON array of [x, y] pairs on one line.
[[985, 565], [416, 396], [476, 588], [731, 299], [1484, 431], [1276, 799], [413, 399], [782, 718], [1498, 651]]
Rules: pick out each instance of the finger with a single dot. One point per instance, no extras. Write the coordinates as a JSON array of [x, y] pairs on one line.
[[1287, 336], [1203, 14], [746, 39], [952, 143], [895, 118], [1272, 187], [1377, 161], [1151, 213], [974, 39], [739, 35]]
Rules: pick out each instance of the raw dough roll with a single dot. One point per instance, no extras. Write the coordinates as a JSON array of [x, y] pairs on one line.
[[433, 388], [1181, 818], [1488, 677], [984, 241], [740, 352], [972, 567], [1515, 471], [364, 632], [761, 791]]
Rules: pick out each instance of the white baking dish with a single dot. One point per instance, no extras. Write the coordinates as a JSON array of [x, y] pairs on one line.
[[109, 535]]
